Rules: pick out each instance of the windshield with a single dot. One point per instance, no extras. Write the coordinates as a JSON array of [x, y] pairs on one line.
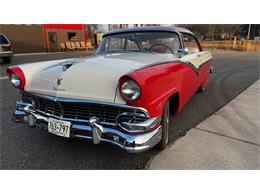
[[3, 40], [158, 42]]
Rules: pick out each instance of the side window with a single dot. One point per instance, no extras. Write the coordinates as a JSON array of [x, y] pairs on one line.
[[116, 44], [190, 43]]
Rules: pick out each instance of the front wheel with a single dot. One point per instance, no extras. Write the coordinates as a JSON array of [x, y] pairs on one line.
[[165, 127], [201, 88]]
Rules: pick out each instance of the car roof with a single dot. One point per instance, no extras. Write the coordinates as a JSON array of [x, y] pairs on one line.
[[153, 28]]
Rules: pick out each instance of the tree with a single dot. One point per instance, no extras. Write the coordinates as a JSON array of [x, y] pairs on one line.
[[254, 32], [213, 31]]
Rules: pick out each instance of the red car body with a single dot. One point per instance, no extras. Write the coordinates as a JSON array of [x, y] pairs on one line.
[[154, 82]]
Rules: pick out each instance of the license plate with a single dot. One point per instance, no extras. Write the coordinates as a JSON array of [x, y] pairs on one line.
[[59, 127]]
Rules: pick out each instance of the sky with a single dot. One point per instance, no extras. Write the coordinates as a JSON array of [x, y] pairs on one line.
[[105, 26]]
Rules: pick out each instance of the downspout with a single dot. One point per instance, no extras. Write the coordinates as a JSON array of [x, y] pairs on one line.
[[84, 31], [45, 39]]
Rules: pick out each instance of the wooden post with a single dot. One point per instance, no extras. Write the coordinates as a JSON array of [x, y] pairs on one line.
[[235, 41], [248, 33]]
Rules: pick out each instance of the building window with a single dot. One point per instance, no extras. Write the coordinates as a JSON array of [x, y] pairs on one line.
[[72, 36]]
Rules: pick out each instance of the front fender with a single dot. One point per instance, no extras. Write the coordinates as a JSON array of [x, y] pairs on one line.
[[157, 84], [31, 69]]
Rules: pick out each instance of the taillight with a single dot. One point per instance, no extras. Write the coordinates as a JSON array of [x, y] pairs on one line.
[[16, 77]]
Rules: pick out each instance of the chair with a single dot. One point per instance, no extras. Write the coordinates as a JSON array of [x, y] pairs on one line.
[[68, 46], [78, 46], [62, 46], [83, 45], [89, 46], [73, 46]]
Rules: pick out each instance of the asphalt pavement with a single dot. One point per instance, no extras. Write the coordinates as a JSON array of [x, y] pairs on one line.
[[24, 148]]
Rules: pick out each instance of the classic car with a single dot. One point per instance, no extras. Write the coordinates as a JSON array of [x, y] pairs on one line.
[[124, 95], [6, 52]]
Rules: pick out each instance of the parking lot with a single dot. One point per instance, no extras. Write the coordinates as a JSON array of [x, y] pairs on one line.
[[25, 148]]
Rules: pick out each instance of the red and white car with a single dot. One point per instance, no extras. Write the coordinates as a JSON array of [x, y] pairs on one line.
[[123, 95]]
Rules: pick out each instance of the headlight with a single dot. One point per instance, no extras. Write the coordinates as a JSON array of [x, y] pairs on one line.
[[130, 90], [15, 80], [16, 77]]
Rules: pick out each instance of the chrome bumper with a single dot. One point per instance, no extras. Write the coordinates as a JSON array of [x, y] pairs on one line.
[[132, 137]]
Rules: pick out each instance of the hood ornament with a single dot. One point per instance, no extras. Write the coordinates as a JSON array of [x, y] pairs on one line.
[[59, 79]]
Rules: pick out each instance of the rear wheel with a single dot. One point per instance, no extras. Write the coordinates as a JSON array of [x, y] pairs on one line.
[[165, 127]]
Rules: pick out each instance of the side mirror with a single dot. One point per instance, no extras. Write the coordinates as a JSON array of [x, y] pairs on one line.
[[183, 51]]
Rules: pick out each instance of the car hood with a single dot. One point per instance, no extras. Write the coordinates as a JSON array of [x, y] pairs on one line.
[[95, 78]]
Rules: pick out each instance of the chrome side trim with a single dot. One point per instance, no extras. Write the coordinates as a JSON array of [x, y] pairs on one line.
[[192, 66]]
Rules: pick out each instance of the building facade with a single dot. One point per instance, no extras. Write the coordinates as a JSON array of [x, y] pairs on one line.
[[42, 37], [55, 34]]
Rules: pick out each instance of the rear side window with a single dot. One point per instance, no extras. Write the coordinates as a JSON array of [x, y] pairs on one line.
[[3, 40]]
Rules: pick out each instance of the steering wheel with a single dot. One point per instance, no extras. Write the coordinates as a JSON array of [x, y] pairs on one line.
[[160, 44]]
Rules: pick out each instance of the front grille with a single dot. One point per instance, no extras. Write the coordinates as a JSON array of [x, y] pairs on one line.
[[85, 110]]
